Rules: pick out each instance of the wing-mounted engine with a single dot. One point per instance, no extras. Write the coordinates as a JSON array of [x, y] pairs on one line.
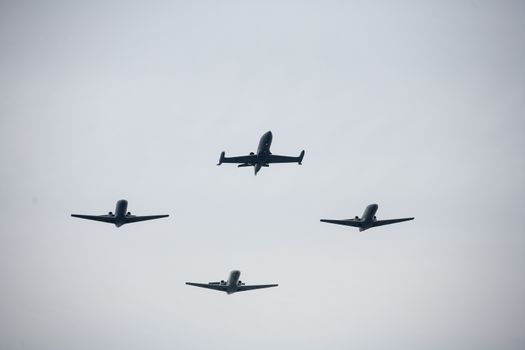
[[252, 154], [221, 283], [128, 213], [375, 218], [239, 283], [110, 213], [356, 218]]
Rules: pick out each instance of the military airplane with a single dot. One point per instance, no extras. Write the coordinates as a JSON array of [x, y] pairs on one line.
[[368, 220], [232, 285], [120, 217], [263, 158]]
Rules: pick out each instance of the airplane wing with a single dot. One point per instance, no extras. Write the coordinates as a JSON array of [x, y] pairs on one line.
[[348, 222], [391, 221], [133, 218], [260, 286], [213, 286], [240, 159], [103, 218], [273, 158]]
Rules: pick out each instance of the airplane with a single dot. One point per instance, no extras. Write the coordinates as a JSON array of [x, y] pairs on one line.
[[120, 217], [263, 158], [368, 220], [232, 285]]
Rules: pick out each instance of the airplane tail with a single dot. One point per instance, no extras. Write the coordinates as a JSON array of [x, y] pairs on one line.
[[221, 159], [256, 168], [301, 156]]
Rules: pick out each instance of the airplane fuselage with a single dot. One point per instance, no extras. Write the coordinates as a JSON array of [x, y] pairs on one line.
[[233, 281], [368, 216], [120, 212], [263, 151], [264, 145]]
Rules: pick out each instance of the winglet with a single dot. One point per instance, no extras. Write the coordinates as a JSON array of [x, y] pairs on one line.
[[221, 158], [301, 156]]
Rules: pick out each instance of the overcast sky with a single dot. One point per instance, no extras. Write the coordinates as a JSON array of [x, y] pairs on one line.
[[416, 106]]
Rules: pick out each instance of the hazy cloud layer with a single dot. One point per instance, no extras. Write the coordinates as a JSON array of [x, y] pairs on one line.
[[416, 106]]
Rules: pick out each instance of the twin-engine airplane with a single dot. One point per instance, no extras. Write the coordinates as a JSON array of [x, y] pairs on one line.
[[368, 220], [232, 285], [263, 158], [120, 217]]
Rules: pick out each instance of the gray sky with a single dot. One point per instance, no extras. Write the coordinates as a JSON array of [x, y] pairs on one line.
[[417, 106]]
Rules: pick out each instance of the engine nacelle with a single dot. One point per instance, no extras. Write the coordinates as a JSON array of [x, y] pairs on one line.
[[223, 282], [128, 213], [110, 213], [252, 154], [375, 218], [357, 218]]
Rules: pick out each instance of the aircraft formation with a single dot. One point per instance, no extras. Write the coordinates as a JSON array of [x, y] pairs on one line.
[[263, 158]]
